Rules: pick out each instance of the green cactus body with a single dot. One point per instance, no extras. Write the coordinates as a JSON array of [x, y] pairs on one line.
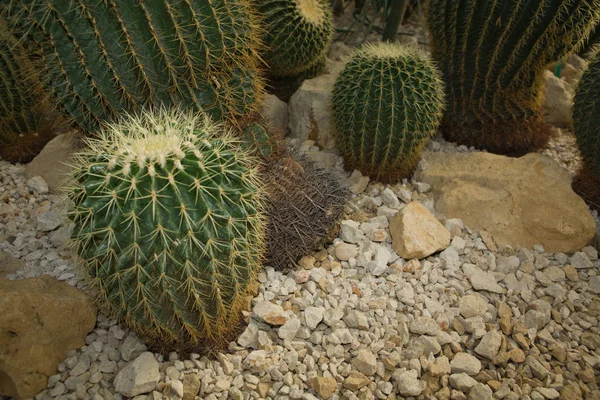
[[168, 224], [586, 122], [108, 57], [492, 55], [297, 33], [387, 101], [26, 120]]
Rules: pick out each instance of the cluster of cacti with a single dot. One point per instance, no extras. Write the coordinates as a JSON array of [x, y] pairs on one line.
[[586, 123], [26, 117], [296, 34], [387, 101], [105, 58], [168, 223], [305, 203], [492, 55]]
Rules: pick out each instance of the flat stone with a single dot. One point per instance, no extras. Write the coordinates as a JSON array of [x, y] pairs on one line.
[[289, 330], [465, 363], [480, 392], [481, 280], [520, 201], [138, 377], [389, 198], [416, 233], [357, 320], [356, 380], [49, 221], [581, 260], [462, 382], [270, 313], [345, 251]]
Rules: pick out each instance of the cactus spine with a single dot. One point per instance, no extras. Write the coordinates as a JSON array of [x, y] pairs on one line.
[[387, 101], [492, 55], [586, 122], [297, 33], [110, 57], [26, 117], [169, 225]]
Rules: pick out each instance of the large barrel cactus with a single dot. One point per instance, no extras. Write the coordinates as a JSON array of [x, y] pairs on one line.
[[586, 122], [387, 101], [26, 116], [108, 57], [169, 226], [492, 55], [296, 34]]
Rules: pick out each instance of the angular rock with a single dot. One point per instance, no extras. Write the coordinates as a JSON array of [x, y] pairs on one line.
[[416, 233], [356, 319], [462, 382], [289, 330], [409, 384], [465, 363], [38, 184], [489, 345], [481, 280], [191, 386], [345, 251], [350, 232], [324, 386], [139, 376], [356, 380], [275, 112], [51, 163], [365, 362], [313, 316], [41, 320], [270, 313], [558, 101], [424, 326], [520, 201], [472, 305], [440, 367], [539, 314], [480, 392]]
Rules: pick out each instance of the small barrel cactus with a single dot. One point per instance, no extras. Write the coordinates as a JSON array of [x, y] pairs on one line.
[[296, 33], [492, 55], [109, 57], [586, 123], [169, 227], [387, 101], [304, 206]]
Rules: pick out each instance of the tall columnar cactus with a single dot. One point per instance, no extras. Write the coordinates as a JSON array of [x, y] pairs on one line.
[[108, 57], [26, 117], [492, 55], [168, 223], [296, 33], [586, 122], [387, 101]]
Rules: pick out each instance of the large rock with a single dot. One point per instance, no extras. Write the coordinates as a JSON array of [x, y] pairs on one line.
[[416, 233], [558, 101], [51, 163], [275, 112], [41, 320], [309, 109], [519, 201]]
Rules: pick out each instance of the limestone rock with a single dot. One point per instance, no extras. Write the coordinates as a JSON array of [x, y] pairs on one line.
[[365, 362], [272, 314], [465, 363], [472, 305], [489, 345], [409, 384], [50, 164], [521, 202], [41, 320], [309, 111], [139, 376], [324, 386], [558, 101], [9, 264], [275, 112], [416, 233]]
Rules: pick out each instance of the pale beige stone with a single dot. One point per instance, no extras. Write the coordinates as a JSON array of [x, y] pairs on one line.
[[416, 233], [521, 202]]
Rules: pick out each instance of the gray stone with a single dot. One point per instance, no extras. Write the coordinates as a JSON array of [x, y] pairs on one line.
[[275, 112], [506, 265], [49, 221], [462, 382], [313, 316], [82, 365], [424, 326], [350, 231], [538, 315], [472, 305], [333, 316], [481, 280], [594, 284], [389, 198], [139, 376], [289, 330], [409, 384], [345, 251], [131, 348], [481, 392], [270, 313], [356, 319], [489, 345], [38, 184], [580, 260]]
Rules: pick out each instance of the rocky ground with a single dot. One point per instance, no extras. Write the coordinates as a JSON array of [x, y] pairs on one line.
[[354, 320]]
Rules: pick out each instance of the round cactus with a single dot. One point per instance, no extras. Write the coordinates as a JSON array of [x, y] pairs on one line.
[[387, 101], [586, 123], [105, 58], [493, 55], [297, 33], [169, 227]]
